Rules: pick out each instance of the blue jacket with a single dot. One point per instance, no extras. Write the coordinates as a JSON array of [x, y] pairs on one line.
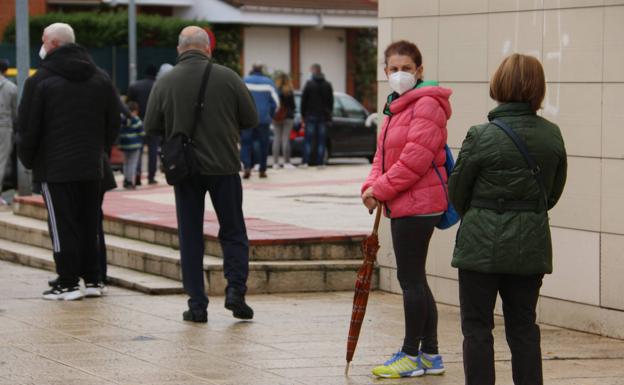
[[263, 91], [131, 134]]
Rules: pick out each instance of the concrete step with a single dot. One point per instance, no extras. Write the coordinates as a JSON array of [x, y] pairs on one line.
[[131, 279], [161, 261], [289, 248]]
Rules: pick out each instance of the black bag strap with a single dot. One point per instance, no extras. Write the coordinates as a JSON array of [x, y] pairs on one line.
[[535, 169], [199, 104]]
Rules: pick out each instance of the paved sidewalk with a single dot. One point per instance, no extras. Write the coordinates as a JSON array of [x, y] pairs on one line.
[[128, 338]]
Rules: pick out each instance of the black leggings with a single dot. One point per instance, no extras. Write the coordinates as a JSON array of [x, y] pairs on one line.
[[410, 237]]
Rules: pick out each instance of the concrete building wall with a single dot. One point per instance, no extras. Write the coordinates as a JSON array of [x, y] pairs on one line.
[[581, 45], [328, 47], [268, 45]]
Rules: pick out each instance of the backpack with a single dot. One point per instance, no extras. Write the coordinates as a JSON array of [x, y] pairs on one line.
[[450, 216]]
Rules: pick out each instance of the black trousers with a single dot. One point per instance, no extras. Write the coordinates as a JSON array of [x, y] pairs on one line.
[[226, 193], [477, 295], [410, 237], [153, 145], [73, 215]]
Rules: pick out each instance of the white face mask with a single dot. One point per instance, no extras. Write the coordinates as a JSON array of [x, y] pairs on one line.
[[42, 53], [402, 82]]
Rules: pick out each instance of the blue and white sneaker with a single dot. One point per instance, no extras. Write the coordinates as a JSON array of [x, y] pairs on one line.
[[400, 365], [431, 363]]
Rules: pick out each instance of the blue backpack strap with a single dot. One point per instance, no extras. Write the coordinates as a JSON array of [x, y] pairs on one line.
[[535, 169]]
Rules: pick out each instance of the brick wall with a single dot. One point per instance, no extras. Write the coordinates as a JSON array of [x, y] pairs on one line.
[[37, 7]]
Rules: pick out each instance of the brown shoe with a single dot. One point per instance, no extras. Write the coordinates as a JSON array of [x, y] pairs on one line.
[[246, 173], [263, 174]]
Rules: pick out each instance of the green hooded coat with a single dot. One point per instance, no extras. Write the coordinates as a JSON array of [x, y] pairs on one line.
[[491, 168]]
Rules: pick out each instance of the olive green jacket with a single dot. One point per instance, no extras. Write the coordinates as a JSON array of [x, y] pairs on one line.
[[490, 167], [229, 108]]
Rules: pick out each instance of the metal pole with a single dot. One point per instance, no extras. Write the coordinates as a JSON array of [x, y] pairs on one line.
[[132, 42], [22, 40]]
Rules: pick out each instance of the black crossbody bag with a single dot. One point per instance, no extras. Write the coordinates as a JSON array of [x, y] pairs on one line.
[[178, 153]]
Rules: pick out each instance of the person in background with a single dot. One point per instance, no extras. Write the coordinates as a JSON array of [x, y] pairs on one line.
[[67, 118], [228, 109], [265, 96], [503, 246], [283, 121], [317, 105], [404, 178], [8, 114], [139, 92], [130, 142]]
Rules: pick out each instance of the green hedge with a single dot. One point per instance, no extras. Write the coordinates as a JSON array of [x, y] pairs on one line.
[[104, 29]]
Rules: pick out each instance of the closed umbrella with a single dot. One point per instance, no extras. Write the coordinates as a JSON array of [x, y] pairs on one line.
[[370, 246]]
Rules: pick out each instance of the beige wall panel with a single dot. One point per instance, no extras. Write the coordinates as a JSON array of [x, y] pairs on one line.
[[613, 120], [470, 106], [586, 318], [408, 8], [385, 255], [515, 5], [444, 290], [454, 7], [384, 38], [577, 109], [513, 32], [613, 2], [555, 4], [383, 90], [388, 280], [614, 44], [612, 271], [463, 48], [441, 252], [613, 196], [423, 31], [576, 267], [573, 45], [579, 207]]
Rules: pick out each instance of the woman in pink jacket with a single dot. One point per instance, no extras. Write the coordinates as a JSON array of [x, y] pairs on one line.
[[403, 178]]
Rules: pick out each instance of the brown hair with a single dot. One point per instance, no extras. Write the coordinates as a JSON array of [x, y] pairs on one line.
[[404, 48], [133, 106], [283, 83], [519, 78]]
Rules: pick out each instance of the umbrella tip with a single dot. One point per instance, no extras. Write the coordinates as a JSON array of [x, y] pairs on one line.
[[347, 370]]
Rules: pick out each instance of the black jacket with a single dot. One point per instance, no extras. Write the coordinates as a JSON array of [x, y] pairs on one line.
[[67, 118], [318, 98], [139, 92], [287, 101]]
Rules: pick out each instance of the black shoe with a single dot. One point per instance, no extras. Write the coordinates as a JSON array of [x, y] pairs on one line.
[[152, 181], [246, 173], [137, 181], [53, 282], [195, 316], [235, 301], [263, 174], [63, 293]]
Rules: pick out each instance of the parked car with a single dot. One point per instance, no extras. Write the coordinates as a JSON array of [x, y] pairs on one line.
[[350, 134]]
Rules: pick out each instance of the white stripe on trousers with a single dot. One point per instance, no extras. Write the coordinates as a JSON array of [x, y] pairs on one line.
[[56, 243]]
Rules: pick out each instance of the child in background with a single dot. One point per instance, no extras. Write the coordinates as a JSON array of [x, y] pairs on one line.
[[130, 142]]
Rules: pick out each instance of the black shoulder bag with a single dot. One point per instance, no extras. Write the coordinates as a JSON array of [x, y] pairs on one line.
[[535, 169], [178, 153]]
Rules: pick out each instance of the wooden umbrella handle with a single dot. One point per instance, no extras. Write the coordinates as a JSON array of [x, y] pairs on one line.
[[377, 218]]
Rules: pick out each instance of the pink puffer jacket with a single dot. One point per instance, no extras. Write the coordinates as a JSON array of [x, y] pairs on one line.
[[402, 175]]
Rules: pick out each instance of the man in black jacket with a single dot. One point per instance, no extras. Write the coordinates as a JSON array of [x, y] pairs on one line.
[[317, 105], [139, 92], [67, 118]]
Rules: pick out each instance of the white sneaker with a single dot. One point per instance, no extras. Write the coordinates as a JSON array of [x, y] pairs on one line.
[[277, 166], [256, 167], [303, 165], [94, 290], [289, 166], [58, 293]]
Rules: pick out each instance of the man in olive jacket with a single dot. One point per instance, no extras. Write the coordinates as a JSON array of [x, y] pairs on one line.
[[228, 108]]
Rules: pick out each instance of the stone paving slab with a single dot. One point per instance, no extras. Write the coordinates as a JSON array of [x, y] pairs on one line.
[[129, 338]]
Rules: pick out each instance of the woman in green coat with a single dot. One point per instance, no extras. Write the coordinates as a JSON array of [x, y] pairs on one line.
[[503, 245]]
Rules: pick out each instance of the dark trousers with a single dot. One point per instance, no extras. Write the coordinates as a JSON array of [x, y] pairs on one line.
[[477, 296], [410, 237], [314, 140], [259, 134], [73, 214], [226, 194], [153, 145]]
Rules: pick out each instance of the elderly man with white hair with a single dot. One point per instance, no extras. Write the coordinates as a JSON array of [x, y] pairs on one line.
[[68, 117], [215, 132]]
